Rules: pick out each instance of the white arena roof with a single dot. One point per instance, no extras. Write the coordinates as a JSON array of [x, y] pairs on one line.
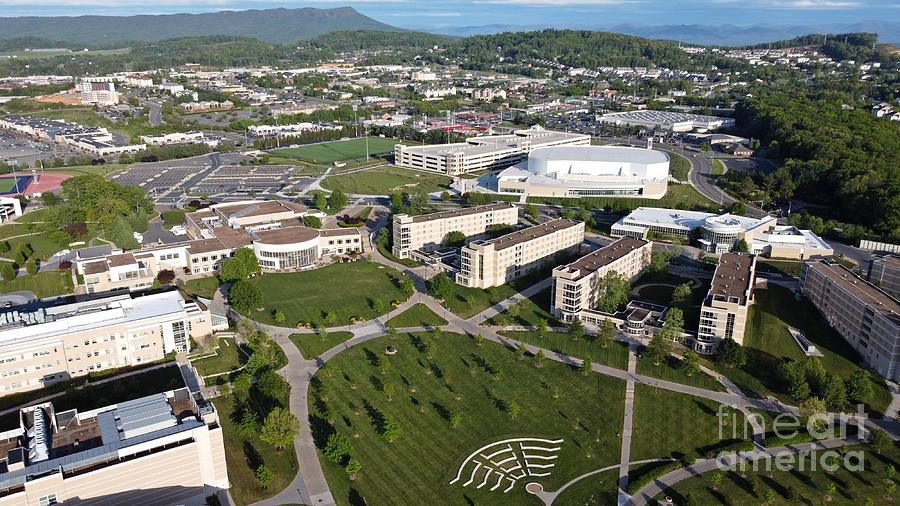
[[612, 154]]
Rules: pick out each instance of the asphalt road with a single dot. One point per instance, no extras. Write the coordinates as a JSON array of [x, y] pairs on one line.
[[155, 112]]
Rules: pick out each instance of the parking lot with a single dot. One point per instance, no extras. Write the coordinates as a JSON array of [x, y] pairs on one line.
[[262, 179], [154, 178], [20, 149]]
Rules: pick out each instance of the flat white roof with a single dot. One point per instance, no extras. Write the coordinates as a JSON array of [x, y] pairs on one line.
[[659, 216], [491, 143], [86, 316], [615, 154]]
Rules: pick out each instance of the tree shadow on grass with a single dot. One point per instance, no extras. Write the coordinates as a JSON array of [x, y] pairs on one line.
[[376, 417], [253, 458], [320, 430], [355, 498], [371, 357], [442, 411]]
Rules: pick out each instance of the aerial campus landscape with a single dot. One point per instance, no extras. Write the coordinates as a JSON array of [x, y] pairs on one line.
[[382, 254]]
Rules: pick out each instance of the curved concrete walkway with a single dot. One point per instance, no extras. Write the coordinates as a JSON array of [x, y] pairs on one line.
[[309, 485]]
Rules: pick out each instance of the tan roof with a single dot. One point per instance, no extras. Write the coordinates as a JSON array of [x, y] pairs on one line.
[[605, 256], [288, 235], [206, 246], [865, 292], [519, 236], [233, 238], [462, 212], [335, 232], [259, 208], [95, 267], [122, 259], [732, 277]]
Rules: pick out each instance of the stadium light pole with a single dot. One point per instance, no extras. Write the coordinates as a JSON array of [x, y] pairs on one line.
[[355, 123]]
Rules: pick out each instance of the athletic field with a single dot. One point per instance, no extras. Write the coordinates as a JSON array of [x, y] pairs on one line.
[[342, 151], [8, 184]]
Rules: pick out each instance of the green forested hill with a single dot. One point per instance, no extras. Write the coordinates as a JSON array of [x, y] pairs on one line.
[[845, 158], [272, 25], [577, 48]]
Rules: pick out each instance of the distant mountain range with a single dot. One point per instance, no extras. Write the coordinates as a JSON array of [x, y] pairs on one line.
[[722, 35], [271, 25]]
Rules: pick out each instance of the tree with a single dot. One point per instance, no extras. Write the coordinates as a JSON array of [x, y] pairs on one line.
[[690, 364], [513, 409], [738, 208], [682, 296], [272, 385], [607, 332], [31, 266], [673, 326], [384, 364], [514, 310], [121, 234], [576, 329], [742, 246], [280, 317], [166, 276], [830, 488], [814, 406], [542, 327], [312, 221], [532, 211], [659, 348], [338, 200], [429, 347], [539, 358], [264, 475], [859, 386], [879, 440], [249, 424], [586, 367], [337, 447], [242, 382], [455, 419], [731, 354], [791, 494], [890, 486], [521, 351], [396, 200], [256, 363], [388, 391], [815, 374], [445, 196], [320, 201], [440, 286], [232, 270], [456, 239], [248, 258], [280, 428], [353, 468], [715, 479], [478, 339], [835, 393], [244, 296], [225, 390], [660, 257], [769, 496], [889, 471], [391, 429], [613, 290]]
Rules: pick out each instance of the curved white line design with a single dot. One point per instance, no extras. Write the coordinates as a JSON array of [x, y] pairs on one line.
[[522, 464]]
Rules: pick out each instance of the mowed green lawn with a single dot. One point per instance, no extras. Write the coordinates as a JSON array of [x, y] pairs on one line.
[[670, 424], [347, 290], [418, 315], [42, 284], [328, 152], [243, 456], [386, 180], [7, 184], [202, 287], [852, 488], [768, 342], [228, 357], [312, 345], [418, 466]]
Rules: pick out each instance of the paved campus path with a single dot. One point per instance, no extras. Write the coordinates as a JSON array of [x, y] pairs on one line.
[[310, 487]]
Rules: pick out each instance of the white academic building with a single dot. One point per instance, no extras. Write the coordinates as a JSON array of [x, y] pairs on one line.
[[480, 153], [587, 171]]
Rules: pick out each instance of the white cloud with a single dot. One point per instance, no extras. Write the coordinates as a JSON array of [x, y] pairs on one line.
[[555, 2], [793, 4]]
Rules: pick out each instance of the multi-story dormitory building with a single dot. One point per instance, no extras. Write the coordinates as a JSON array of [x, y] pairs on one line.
[[723, 314], [487, 263], [165, 448], [574, 291], [884, 272], [428, 231], [271, 228], [863, 314], [45, 345]]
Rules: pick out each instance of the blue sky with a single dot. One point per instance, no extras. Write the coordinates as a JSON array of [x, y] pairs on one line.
[[418, 14]]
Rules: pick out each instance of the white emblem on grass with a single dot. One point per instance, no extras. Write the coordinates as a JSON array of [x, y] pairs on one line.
[[503, 463]]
